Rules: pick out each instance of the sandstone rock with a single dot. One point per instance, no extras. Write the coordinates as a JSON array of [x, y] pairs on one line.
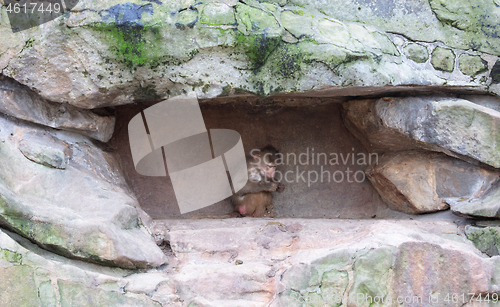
[[416, 52], [443, 59], [486, 239], [417, 182], [487, 206], [456, 127], [472, 65], [80, 209], [34, 277], [117, 52], [18, 101]]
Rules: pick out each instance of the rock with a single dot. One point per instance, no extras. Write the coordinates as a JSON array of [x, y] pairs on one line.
[[454, 126], [217, 14], [79, 206], [443, 59], [495, 72], [187, 18], [416, 53], [472, 65], [117, 52], [20, 102], [326, 262], [487, 206], [44, 150], [486, 239], [457, 24], [417, 182], [51, 280], [298, 22]]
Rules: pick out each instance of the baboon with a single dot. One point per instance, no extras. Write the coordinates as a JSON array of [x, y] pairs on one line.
[[255, 198]]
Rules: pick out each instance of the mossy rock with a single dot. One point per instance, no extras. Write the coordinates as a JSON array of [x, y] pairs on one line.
[[299, 23], [416, 52], [443, 59], [472, 65], [217, 14], [485, 239]]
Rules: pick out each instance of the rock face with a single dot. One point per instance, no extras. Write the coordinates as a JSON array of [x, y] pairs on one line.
[[417, 182], [454, 126], [20, 102], [62, 192], [117, 52]]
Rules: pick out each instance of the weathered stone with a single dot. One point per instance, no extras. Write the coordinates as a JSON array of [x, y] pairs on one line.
[[41, 278], [486, 239], [187, 18], [443, 59], [217, 14], [456, 127], [298, 22], [417, 182], [83, 211], [487, 206], [117, 52], [416, 52], [20, 102], [472, 65], [44, 150]]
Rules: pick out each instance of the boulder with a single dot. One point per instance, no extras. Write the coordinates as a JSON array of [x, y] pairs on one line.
[[457, 127], [20, 102], [418, 182], [117, 52], [487, 206], [65, 194]]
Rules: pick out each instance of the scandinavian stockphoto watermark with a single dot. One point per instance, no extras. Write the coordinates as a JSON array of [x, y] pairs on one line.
[[205, 166], [312, 167], [26, 14]]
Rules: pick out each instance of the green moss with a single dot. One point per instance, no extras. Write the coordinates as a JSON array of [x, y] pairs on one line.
[[257, 47]]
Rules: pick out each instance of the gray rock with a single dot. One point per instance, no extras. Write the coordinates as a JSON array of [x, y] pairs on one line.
[[84, 211], [417, 182], [454, 126], [487, 206], [44, 150], [20, 102], [416, 52], [443, 59]]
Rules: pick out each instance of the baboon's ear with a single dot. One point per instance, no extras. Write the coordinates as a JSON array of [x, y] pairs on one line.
[[255, 156]]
